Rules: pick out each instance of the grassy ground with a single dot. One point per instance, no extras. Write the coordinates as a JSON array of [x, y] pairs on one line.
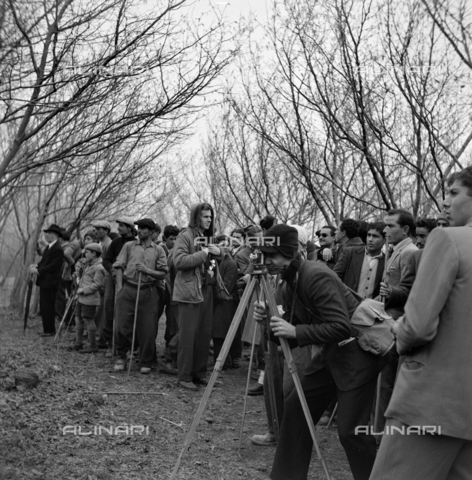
[[75, 390]]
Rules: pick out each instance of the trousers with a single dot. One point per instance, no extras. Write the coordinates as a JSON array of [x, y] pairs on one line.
[[146, 324], [194, 321], [293, 452], [47, 309]]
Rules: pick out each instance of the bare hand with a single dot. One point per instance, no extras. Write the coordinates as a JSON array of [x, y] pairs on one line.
[[395, 327], [246, 278], [214, 250], [34, 270], [327, 254], [141, 268], [259, 312], [385, 290], [80, 290], [281, 328]]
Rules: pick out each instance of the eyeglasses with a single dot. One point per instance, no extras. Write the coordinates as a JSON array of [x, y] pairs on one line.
[[324, 235]]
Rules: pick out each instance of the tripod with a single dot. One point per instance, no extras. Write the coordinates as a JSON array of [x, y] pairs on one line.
[[258, 277]]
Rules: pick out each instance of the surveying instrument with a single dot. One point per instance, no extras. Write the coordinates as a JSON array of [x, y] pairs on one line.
[[258, 284]]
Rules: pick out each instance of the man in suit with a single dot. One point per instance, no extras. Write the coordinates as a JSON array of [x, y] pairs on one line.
[[49, 275], [400, 227], [361, 268], [317, 306], [434, 386], [347, 235]]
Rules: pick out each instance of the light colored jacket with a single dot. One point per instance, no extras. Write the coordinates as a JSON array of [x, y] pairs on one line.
[[434, 384], [397, 268], [92, 281], [189, 259]]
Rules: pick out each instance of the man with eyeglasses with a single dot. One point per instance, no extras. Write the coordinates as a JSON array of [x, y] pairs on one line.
[[325, 253]]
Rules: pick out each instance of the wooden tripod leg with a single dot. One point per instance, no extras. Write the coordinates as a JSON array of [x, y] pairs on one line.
[[296, 380], [377, 403], [271, 356], [217, 369], [251, 358], [332, 415]]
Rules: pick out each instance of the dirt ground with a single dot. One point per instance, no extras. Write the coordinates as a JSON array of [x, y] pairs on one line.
[[82, 391]]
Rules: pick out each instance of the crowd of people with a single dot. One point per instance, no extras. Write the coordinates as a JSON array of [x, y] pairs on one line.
[[113, 288]]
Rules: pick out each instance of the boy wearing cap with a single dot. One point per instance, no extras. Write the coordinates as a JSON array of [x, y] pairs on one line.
[[141, 264], [49, 272], [88, 299], [102, 229], [317, 310]]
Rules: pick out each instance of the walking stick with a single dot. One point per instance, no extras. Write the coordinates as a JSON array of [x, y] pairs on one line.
[[31, 283], [72, 300], [134, 324], [247, 382], [379, 379]]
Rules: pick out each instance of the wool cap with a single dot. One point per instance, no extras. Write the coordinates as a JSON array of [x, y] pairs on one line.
[[101, 224], [94, 247], [146, 223], [302, 234], [126, 220], [282, 239]]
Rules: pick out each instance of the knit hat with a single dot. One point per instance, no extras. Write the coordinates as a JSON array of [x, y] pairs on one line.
[[101, 224], [94, 247], [282, 239]]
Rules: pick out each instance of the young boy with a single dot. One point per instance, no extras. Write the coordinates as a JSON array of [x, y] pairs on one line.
[[90, 284]]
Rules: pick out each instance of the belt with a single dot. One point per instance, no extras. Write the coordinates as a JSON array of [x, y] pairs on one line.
[[142, 286]]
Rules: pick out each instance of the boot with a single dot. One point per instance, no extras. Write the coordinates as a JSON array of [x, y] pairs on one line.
[[93, 343], [79, 334]]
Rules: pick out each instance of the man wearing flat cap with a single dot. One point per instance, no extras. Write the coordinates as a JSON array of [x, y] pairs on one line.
[[49, 274], [317, 311], [141, 264], [127, 233]]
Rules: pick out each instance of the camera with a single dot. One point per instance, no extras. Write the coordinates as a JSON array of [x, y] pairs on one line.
[[257, 260]]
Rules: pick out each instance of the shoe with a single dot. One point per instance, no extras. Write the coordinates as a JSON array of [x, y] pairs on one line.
[[324, 420], [187, 385], [200, 381], [109, 353], [264, 440], [236, 363], [120, 365], [47, 335], [89, 350], [101, 345], [145, 370], [256, 390], [74, 347], [169, 368]]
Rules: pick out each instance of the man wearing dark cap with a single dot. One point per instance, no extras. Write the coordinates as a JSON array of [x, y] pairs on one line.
[[317, 310], [141, 258], [127, 234], [49, 272]]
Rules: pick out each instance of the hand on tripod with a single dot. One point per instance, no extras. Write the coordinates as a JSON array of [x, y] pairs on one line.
[[279, 326]]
